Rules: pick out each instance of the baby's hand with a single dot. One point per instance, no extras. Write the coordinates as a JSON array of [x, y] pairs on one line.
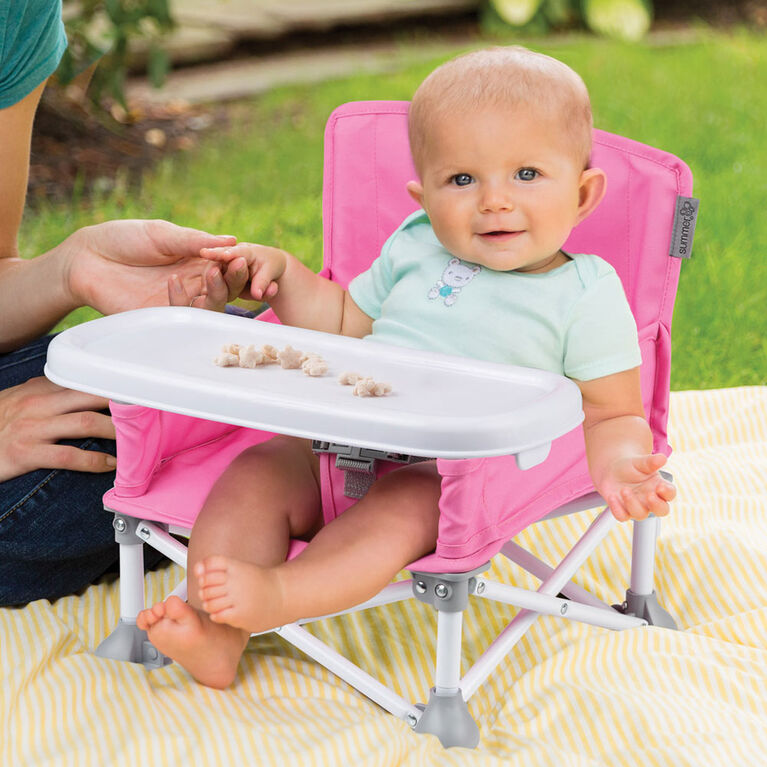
[[634, 488], [265, 265]]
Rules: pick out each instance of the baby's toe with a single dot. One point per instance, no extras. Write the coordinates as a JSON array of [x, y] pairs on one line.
[[213, 592], [141, 620], [213, 578], [175, 608], [217, 604]]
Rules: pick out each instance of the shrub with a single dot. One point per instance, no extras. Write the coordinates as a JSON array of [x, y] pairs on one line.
[[101, 31], [623, 19]]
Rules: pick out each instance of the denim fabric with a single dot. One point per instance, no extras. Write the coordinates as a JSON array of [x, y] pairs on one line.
[[55, 537]]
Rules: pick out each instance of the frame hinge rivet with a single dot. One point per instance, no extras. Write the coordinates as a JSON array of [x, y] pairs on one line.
[[420, 587], [441, 590], [412, 720], [119, 524]]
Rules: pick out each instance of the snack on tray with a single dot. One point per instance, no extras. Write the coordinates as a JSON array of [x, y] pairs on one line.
[[367, 387], [290, 358], [314, 365], [227, 360], [237, 355], [250, 357], [270, 352], [349, 379]]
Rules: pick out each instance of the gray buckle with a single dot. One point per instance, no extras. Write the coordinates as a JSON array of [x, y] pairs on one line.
[[359, 464]]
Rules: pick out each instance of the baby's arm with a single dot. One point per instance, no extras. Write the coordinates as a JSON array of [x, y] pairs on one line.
[[297, 295], [619, 448]]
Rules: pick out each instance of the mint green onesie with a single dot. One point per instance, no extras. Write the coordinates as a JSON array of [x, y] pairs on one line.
[[573, 320]]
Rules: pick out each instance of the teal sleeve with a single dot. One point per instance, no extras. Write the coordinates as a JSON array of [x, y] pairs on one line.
[[601, 334], [32, 42], [370, 289]]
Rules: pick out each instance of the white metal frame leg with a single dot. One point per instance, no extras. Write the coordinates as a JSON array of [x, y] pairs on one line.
[[448, 671], [127, 641], [446, 714], [553, 584], [131, 580], [644, 537], [641, 599], [369, 686]]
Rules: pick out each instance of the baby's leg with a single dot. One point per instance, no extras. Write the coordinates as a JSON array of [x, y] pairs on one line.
[[268, 495], [347, 562]]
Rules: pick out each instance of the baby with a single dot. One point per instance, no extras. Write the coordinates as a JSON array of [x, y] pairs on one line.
[[501, 141]]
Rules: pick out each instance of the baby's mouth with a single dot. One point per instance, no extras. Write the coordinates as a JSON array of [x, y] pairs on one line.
[[499, 235]]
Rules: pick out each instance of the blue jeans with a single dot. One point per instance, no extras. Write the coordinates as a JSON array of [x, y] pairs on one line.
[[55, 537]]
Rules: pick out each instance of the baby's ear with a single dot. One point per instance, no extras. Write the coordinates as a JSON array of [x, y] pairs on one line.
[[592, 188], [415, 190]]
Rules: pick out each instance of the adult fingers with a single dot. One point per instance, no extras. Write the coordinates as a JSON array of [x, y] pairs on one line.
[[229, 253], [177, 293], [40, 398], [71, 458], [182, 241], [77, 425], [236, 278]]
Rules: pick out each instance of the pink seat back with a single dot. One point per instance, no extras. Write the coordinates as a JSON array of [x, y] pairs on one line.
[[368, 163]]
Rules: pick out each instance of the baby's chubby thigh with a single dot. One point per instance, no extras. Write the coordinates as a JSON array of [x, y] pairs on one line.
[[406, 501], [272, 487]]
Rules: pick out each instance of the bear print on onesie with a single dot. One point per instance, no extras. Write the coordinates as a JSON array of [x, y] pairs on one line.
[[455, 277]]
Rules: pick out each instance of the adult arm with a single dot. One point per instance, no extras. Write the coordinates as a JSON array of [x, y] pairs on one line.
[[34, 284], [114, 266]]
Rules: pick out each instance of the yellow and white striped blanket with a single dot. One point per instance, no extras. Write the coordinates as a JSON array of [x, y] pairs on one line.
[[567, 695]]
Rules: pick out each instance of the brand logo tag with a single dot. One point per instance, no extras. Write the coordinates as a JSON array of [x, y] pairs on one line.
[[684, 226]]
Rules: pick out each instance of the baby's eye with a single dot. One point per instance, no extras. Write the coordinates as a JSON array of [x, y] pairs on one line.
[[527, 174], [462, 179]]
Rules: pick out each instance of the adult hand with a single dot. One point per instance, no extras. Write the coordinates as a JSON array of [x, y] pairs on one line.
[[122, 265], [215, 290], [35, 415]]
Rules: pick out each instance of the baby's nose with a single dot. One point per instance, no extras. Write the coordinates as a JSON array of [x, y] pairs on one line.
[[496, 198]]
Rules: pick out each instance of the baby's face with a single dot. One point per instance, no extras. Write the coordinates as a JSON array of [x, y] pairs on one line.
[[502, 188]]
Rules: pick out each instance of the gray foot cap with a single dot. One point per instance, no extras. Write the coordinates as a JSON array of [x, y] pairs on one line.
[[647, 607], [129, 643], [448, 717]]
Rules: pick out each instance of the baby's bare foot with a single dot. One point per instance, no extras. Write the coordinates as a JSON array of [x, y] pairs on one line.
[[149, 617], [240, 593], [208, 651]]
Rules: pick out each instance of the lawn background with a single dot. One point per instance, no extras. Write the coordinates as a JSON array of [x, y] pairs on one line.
[[705, 101]]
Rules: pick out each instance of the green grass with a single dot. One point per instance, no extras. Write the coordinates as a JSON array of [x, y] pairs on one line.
[[703, 101]]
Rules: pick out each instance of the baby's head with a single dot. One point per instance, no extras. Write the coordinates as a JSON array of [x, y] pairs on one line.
[[502, 79], [508, 132]]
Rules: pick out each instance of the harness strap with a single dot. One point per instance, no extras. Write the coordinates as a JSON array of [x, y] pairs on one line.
[[359, 464]]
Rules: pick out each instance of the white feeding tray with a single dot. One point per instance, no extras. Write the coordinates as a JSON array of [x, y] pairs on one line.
[[440, 406]]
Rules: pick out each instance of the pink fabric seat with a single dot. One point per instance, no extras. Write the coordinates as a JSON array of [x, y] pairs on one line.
[[168, 463]]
